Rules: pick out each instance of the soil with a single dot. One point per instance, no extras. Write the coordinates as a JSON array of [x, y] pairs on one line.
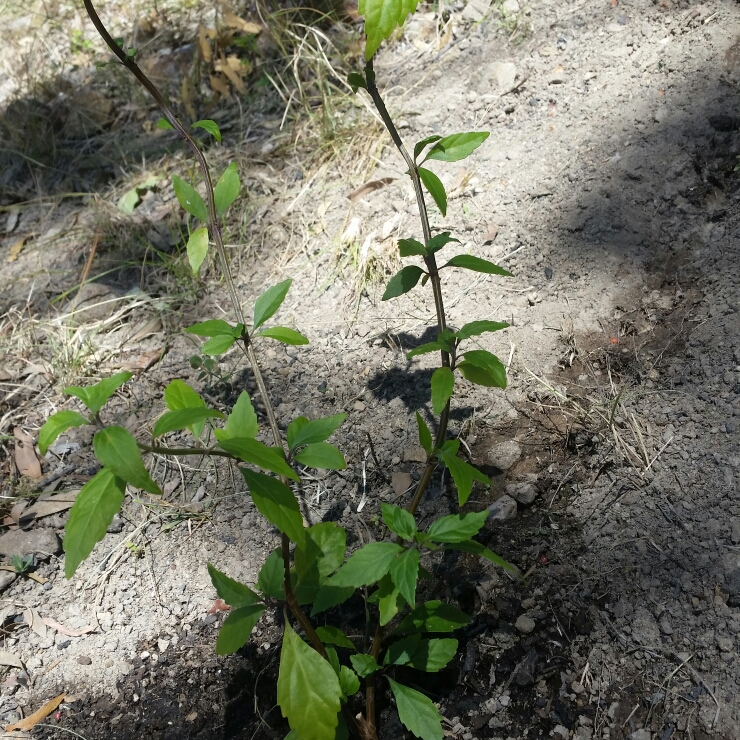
[[608, 187]]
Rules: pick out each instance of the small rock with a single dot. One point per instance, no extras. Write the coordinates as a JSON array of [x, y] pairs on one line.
[[641, 734], [503, 74], [502, 509], [525, 624], [645, 630], [548, 276], [414, 454], [163, 645], [524, 493], [39, 542], [358, 406], [504, 455], [84, 660], [511, 7], [476, 10], [146, 654], [504, 700], [735, 530], [400, 482], [725, 644], [560, 732], [116, 525], [6, 578], [665, 626]]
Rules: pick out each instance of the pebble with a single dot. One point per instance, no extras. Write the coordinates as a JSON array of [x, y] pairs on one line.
[[510, 6], [640, 734], [503, 74], [502, 509], [504, 455], [523, 493], [665, 626], [525, 624], [84, 660], [39, 542], [400, 482], [735, 530], [6, 578], [725, 644]]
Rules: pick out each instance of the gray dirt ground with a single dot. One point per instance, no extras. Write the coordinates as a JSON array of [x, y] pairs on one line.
[[607, 187]]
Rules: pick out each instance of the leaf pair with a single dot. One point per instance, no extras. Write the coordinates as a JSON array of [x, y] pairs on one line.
[[223, 335], [307, 442]]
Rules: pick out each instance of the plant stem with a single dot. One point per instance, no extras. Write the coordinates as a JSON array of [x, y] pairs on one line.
[[431, 263], [367, 726]]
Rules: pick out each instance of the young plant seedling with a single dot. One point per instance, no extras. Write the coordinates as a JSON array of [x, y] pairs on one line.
[[325, 676]]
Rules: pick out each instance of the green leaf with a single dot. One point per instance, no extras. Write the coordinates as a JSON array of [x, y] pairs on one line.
[[366, 565], [215, 328], [390, 600], [436, 189], [283, 334], [433, 616], [321, 555], [253, 451], [58, 424], [210, 126], [294, 427], [457, 527], [164, 123], [269, 302], [276, 502], [475, 548], [402, 282], [128, 201], [405, 573], [242, 421], [179, 395], [356, 81], [334, 636], [95, 396], [117, 450], [348, 681], [419, 146], [433, 655], [401, 652], [318, 430], [425, 436], [237, 628], [321, 455], [440, 240], [468, 262], [417, 712], [456, 147], [227, 189], [182, 419], [443, 384], [189, 199], [329, 596], [427, 348], [270, 578], [197, 248], [217, 345], [399, 521], [232, 592], [96, 504], [364, 664], [474, 328], [480, 358], [308, 690], [410, 248], [463, 474], [381, 17]]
